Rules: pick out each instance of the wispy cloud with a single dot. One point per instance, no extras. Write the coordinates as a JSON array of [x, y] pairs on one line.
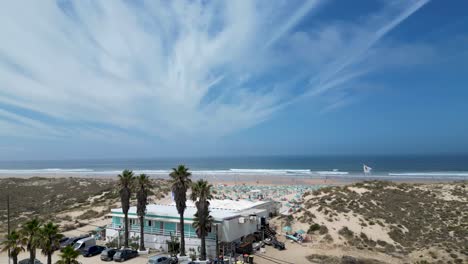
[[344, 68], [170, 68]]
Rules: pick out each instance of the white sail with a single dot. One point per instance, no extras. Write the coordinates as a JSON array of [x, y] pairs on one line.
[[367, 169]]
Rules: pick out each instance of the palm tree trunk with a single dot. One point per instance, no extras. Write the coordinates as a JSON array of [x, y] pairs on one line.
[[203, 248], [182, 235], [15, 259], [126, 230], [49, 258], [142, 233], [32, 254]]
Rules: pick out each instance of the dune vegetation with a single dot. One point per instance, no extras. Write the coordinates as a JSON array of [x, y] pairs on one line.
[[71, 201], [421, 222]]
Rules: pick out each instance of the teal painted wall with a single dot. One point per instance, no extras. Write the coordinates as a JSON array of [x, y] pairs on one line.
[[116, 220], [188, 228], [170, 226]]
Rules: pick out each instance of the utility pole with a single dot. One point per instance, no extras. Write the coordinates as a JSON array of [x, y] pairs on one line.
[[217, 241], [8, 223]]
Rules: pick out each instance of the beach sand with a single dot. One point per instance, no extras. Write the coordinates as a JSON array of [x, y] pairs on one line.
[[295, 253]]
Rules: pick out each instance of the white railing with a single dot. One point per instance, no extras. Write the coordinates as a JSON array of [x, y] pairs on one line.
[[160, 232]]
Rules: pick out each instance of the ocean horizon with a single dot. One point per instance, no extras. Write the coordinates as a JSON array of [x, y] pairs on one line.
[[398, 166]]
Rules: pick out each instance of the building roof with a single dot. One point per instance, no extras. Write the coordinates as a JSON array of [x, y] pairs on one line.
[[220, 210]]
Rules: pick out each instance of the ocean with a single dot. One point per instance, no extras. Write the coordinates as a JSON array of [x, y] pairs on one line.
[[407, 166]]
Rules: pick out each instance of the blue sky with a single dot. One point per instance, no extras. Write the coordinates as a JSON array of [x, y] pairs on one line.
[[94, 79]]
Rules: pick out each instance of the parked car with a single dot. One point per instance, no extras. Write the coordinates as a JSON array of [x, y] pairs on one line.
[[279, 245], [27, 261], [244, 248], [125, 254], [84, 243], [71, 241], [108, 254], [92, 251], [159, 259], [258, 245]]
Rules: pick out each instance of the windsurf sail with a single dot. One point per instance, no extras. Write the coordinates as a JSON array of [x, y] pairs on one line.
[[367, 169]]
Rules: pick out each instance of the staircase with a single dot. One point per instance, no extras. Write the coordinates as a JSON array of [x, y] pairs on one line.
[[270, 233]]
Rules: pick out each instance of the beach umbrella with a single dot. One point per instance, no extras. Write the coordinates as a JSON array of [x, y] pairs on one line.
[[300, 231], [287, 229]]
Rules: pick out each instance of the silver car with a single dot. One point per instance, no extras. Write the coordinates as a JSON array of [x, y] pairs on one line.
[[159, 259]]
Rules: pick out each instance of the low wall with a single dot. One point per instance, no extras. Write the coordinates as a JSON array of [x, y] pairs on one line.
[[158, 242]]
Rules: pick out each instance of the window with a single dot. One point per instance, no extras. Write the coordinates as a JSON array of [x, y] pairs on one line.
[[150, 223]]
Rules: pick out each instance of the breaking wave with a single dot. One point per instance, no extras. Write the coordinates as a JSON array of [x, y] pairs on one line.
[[246, 172]]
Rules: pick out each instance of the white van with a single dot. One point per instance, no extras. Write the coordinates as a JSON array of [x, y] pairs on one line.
[[84, 243]]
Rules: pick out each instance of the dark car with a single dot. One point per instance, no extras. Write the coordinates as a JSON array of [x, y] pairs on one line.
[[279, 245], [92, 251], [108, 254], [125, 254]]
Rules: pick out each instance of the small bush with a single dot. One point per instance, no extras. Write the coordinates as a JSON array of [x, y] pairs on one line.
[[88, 214], [363, 236], [67, 218], [313, 228], [112, 243], [323, 230], [328, 238], [67, 227], [381, 243], [345, 232], [433, 254]]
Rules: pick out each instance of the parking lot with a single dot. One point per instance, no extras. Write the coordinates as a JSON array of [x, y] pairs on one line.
[[55, 257]]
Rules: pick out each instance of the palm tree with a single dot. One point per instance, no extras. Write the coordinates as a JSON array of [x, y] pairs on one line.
[[126, 181], [181, 182], [13, 243], [68, 256], [201, 194], [202, 227], [143, 186], [31, 231], [50, 240]]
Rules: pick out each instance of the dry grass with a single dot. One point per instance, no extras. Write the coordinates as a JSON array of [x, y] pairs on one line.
[[53, 198]]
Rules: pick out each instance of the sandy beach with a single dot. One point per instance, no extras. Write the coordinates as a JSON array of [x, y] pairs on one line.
[[304, 202]]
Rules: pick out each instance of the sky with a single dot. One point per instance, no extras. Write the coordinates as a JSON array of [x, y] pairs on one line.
[[119, 79]]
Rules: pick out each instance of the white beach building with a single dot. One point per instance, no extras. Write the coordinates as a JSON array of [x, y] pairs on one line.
[[233, 220]]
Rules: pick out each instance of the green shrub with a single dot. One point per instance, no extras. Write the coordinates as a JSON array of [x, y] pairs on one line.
[[112, 243], [313, 228]]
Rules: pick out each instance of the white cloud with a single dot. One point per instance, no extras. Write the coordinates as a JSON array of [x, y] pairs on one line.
[[172, 68]]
